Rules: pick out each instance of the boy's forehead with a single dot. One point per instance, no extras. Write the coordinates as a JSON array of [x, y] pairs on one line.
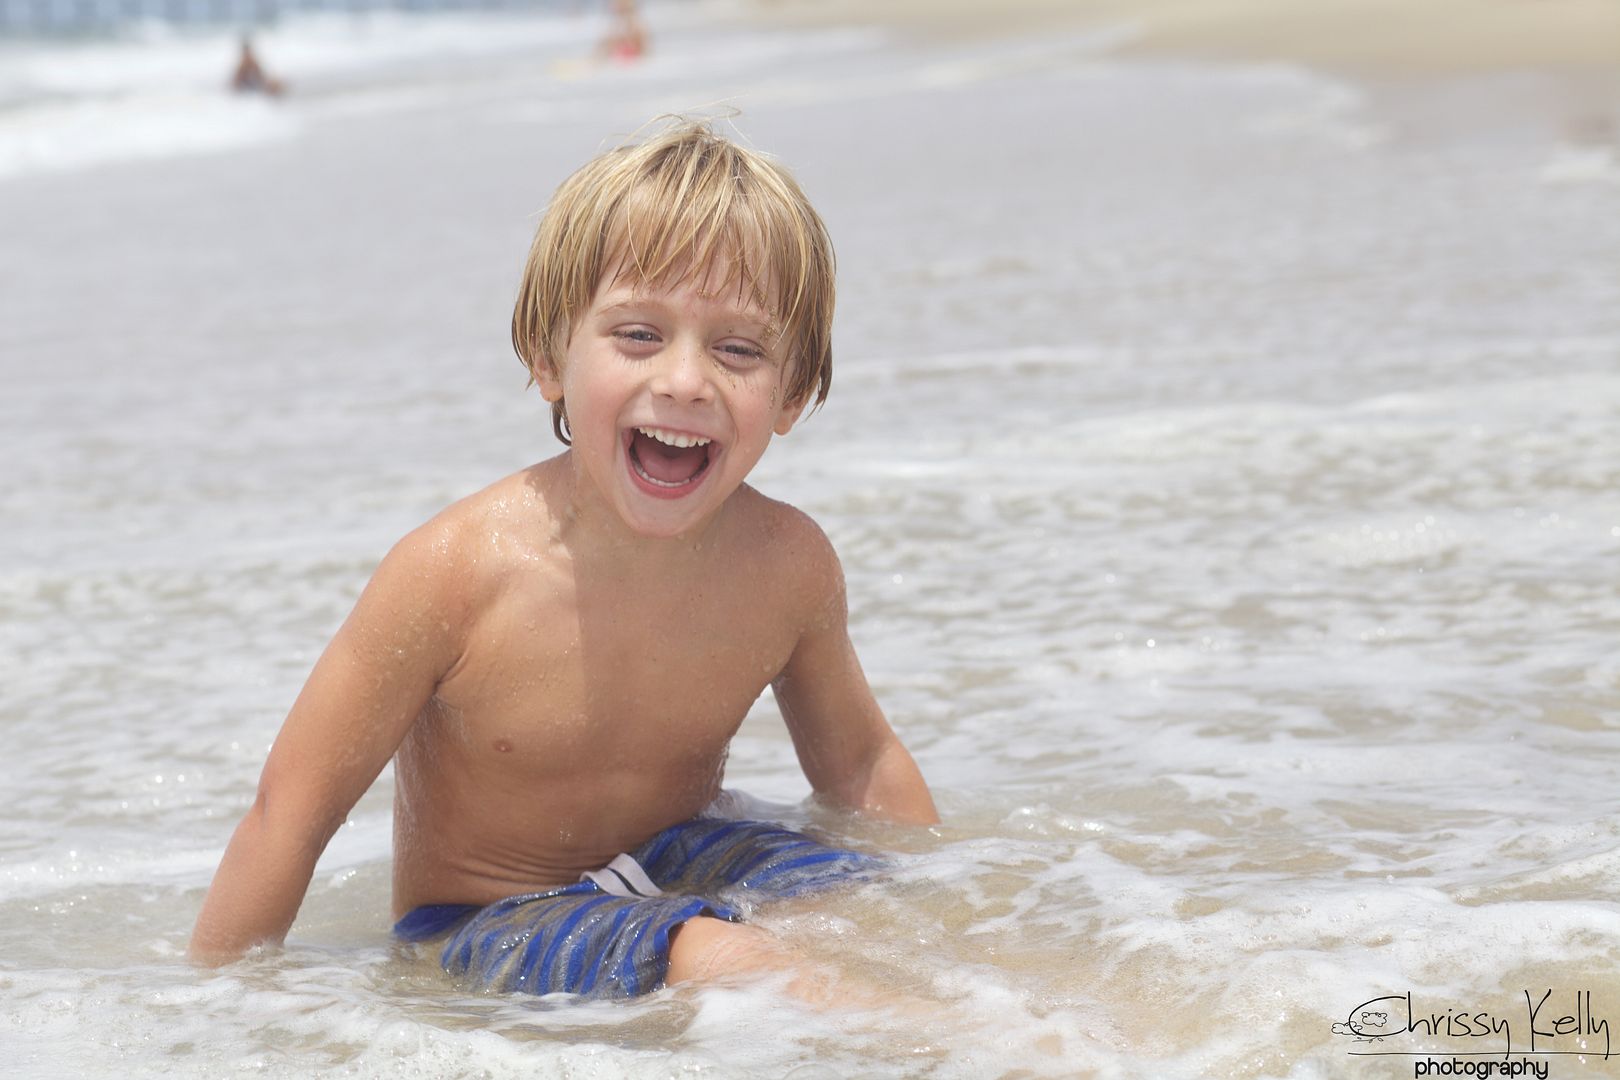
[[723, 284]]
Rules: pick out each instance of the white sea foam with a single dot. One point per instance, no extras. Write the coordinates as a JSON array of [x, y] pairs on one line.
[[154, 93], [62, 137], [1581, 165]]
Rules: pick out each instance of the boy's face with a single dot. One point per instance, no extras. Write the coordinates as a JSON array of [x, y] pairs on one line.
[[672, 395]]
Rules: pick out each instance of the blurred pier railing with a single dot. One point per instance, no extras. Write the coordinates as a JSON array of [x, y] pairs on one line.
[[58, 16]]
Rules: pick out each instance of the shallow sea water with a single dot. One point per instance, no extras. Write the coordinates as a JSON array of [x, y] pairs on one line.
[[1225, 463]]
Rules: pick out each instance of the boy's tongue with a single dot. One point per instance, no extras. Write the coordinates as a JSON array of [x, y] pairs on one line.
[[669, 464]]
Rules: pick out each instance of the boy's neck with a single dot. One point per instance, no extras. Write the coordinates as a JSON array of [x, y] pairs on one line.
[[588, 527]]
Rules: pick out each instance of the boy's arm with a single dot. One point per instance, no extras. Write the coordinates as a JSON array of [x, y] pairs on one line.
[[845, 746], [360, 700]]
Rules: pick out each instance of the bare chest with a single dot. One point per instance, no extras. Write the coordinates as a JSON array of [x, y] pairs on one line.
[[625, 683]]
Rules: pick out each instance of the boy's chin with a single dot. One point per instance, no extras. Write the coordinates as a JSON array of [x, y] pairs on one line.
[[662, 517]]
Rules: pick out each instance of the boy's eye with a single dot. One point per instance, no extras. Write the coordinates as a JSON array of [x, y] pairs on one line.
[[638, 334], [740, 351]]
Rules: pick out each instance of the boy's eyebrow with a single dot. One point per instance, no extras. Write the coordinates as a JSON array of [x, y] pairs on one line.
[[621, 305], [637, 300]]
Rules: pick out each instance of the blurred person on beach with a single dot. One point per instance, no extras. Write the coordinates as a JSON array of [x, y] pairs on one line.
[[558, 663], [250, 76], [626, 40]]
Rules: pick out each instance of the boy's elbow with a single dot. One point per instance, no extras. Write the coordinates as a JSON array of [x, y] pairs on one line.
[[289, 812]]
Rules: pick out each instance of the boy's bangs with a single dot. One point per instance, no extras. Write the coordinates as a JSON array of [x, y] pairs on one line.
[[709, 244]]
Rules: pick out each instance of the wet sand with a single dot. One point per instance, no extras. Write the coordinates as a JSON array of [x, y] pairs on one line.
[[1391, 37], [1426, 68]]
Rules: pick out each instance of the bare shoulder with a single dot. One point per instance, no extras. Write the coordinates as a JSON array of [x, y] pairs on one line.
[[800, 558], [470, 548]]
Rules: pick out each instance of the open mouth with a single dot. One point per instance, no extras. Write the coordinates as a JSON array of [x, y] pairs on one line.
[[670, 462]]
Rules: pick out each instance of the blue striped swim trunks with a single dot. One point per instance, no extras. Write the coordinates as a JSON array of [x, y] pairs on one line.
[[608, 935]]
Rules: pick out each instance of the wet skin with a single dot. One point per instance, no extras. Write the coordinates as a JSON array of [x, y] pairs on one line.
[[560, 660], [595, 702]]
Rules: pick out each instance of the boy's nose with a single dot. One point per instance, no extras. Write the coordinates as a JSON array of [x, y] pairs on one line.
[[683, 376]]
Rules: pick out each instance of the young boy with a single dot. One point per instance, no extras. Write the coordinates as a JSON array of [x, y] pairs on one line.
[[558, 662]]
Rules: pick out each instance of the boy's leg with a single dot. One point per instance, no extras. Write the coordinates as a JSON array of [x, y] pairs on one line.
[[704, 948], [707, 948]]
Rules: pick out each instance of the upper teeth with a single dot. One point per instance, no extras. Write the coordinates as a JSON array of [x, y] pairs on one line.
[[672, 438]]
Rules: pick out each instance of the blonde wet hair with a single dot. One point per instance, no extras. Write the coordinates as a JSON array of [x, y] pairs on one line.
[[684, 205]]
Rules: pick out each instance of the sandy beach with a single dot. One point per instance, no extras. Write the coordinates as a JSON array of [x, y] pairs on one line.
[[1382, 36], [1429, 67]]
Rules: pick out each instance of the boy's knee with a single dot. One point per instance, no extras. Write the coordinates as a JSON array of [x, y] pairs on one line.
[[708, 948]]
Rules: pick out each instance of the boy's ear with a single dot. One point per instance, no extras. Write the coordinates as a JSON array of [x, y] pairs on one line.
[[789, 416], [548, 380]]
